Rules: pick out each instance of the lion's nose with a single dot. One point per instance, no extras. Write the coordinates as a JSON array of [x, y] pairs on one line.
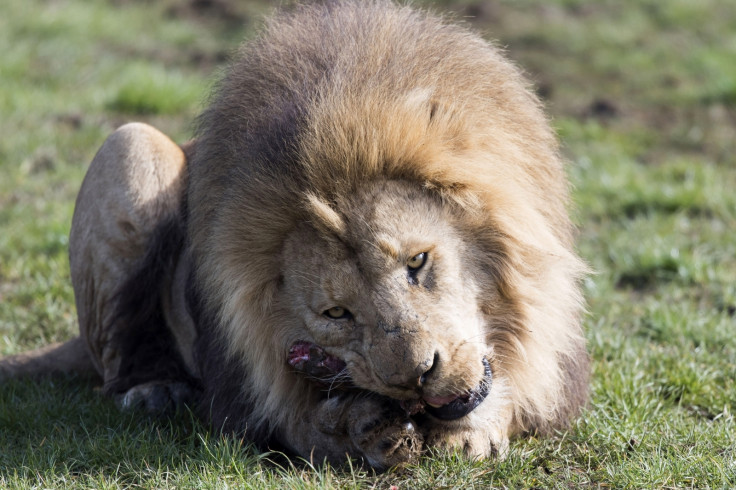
[[432, 367], [416, 377]]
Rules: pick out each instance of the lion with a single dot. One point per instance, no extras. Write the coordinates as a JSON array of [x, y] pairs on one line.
[[365, 251]]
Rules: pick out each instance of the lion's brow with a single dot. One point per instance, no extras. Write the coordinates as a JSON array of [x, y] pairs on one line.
[[388, 248]]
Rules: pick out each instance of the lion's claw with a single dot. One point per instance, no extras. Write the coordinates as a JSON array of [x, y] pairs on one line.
[[383, 433]]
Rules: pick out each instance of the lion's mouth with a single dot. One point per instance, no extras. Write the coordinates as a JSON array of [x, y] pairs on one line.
[[458, 406], [329, 370]]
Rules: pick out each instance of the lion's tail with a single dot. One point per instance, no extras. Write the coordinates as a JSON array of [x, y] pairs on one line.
[[60, 358]]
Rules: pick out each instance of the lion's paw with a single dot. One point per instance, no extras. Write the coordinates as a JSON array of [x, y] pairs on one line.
[[474, 444], [383, 433], [155, 397]]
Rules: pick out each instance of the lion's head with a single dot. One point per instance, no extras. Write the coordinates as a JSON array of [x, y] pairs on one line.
[[404, 210], [391, 286]]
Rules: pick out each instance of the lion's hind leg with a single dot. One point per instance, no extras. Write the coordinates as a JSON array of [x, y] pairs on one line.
[[126, 245]]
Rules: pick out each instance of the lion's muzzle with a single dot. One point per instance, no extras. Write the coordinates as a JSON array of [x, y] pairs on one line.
[[316, 364], [448, 408]]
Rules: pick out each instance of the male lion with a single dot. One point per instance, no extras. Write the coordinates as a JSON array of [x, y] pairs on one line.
[[364, 252]]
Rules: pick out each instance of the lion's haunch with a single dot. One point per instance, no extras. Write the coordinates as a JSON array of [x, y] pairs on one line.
[[313, 361]]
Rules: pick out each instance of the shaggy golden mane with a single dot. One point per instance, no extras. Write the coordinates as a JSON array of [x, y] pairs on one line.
[[332, 96]]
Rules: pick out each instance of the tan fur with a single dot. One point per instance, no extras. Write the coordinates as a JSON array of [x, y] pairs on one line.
[[133, 183], [345, 140]]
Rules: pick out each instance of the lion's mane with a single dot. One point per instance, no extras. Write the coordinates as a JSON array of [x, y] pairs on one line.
[[318, 105]]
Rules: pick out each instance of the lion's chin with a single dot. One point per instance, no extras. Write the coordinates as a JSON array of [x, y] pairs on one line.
[[449, 408]]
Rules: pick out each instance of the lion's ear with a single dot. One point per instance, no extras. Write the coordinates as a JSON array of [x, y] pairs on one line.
[[324, 217]]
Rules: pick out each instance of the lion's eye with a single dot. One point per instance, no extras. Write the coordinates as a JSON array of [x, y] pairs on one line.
[[337, 312], [415, 263]]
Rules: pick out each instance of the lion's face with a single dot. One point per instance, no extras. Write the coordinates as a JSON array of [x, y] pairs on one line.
[[384, 281]]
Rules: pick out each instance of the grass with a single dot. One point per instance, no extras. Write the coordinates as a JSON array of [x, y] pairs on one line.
[[643, 95]]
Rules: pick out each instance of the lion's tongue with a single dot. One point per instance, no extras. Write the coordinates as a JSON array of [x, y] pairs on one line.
[[439, 401]]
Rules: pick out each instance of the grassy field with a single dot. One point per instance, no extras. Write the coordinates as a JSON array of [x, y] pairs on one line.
[[643, 95]]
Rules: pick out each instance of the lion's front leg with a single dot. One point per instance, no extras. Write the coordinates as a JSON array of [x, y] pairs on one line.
[[355, 425]]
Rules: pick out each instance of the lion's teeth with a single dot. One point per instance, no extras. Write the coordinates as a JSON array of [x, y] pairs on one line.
[[433, 405]]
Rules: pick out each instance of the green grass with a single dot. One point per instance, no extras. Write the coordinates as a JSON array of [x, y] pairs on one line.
[[643, 95]]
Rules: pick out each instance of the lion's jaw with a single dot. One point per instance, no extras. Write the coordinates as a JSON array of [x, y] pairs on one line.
[[406, 333]]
